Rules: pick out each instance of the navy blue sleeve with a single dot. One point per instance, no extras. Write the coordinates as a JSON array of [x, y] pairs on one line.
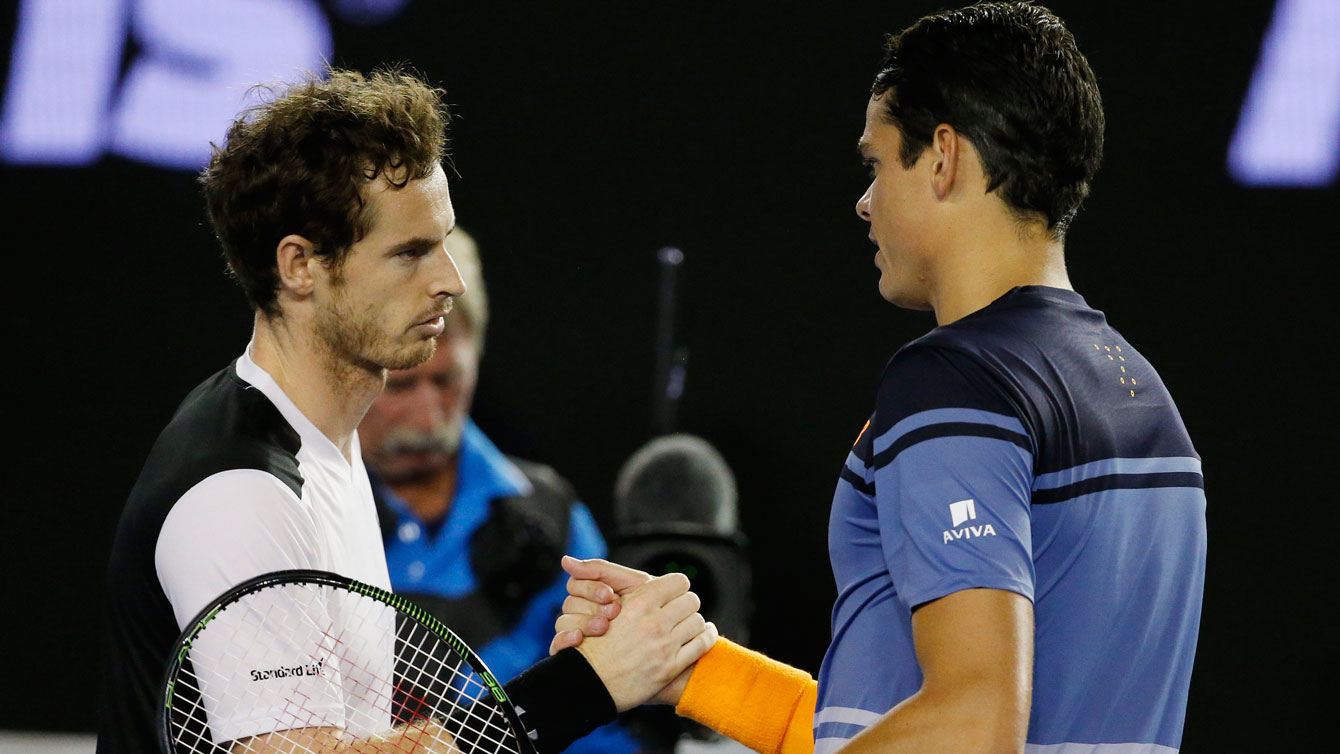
[[953, 477]]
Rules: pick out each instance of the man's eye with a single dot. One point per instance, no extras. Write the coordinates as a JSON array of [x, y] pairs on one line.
[[869, 167]]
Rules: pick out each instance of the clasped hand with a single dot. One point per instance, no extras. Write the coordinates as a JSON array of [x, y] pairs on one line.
[[642, 635]]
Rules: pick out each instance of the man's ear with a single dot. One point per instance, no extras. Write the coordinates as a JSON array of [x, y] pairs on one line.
[[946, 150], [295, 256]]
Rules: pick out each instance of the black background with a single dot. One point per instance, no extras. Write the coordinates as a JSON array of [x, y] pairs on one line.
[[587, 137]]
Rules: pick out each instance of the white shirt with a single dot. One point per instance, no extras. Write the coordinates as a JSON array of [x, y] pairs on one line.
[[241, 523]]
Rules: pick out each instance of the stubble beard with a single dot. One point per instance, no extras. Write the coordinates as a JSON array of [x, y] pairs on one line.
[[355, 338]]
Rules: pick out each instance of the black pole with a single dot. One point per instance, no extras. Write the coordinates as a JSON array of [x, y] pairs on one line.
[[671, 358]]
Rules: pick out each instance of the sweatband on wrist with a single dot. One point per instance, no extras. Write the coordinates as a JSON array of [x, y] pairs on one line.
[[560, 699], [764, 704]]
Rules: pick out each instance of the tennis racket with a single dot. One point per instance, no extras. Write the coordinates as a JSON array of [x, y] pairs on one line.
[[310, 661]]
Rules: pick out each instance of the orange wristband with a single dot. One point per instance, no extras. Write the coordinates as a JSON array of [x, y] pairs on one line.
[[764, 704], [799, 738]]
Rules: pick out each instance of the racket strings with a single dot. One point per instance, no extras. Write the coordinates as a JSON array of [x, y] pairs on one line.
[[244, 641], [296, 657], [474, 712]]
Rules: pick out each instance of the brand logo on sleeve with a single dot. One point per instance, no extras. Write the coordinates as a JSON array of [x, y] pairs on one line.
[[960, 513]]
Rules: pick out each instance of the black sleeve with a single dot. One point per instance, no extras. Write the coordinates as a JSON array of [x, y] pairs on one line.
[[560, 699]]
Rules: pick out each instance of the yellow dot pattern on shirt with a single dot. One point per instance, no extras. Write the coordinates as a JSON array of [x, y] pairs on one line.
[[1114, 355]]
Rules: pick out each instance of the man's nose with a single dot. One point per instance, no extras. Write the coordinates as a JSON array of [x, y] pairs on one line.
[[425, 407], [447, 278], [863, 204]]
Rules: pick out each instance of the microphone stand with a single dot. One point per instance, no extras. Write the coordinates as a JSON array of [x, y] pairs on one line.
[[671, 358]]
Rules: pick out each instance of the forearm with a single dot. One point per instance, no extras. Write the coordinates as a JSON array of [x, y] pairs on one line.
[[970, 717], [560, 699], [424, 737], [764, 704]]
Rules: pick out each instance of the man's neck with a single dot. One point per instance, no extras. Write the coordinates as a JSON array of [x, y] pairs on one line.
[[983, 269], [332, 393], [430, 497]]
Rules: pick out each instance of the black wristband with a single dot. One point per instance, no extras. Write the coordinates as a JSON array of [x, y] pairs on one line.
[[560, 699]]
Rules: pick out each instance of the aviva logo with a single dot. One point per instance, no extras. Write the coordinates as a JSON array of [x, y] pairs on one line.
[[961, 513]]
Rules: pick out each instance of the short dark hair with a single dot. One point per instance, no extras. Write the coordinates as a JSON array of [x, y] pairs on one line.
[[1009, 77], [299, 164]]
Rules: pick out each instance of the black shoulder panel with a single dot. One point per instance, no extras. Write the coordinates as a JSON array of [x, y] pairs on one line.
[[223, 424]]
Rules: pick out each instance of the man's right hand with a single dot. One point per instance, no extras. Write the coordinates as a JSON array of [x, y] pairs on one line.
[[655, 642], [594, 589], [596, 594]]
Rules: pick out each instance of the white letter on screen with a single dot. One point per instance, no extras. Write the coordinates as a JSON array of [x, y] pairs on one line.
[[1289, 131], [61, 75], [200, 59]]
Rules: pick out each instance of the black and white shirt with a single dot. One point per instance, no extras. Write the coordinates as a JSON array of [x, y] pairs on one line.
[[239, 484]]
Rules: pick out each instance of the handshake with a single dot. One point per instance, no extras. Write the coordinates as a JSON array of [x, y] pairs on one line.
[[641, 635]]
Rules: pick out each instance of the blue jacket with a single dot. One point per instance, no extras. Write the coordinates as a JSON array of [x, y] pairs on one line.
[[436, 562]]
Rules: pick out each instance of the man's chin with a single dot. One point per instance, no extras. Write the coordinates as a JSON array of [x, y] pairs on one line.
[[411, 356], [902, 298]]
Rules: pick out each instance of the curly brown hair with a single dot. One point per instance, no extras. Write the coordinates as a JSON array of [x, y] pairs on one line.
[[299, 164]]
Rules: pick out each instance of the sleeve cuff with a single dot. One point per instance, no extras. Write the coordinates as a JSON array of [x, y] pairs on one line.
[[917, 598], [560, 699]]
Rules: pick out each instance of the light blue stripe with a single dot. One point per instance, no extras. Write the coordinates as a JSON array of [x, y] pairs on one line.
[[853, 715], [838, 730], [1110, 466], [857, 466], [944, 416], [1139, 496], [834, 743], [1098, 749]]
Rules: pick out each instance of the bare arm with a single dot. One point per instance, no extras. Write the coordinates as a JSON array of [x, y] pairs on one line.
[[422, 738], [975, 649]]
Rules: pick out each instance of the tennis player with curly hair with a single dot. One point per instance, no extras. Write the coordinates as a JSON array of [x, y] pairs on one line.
[[333, 211]]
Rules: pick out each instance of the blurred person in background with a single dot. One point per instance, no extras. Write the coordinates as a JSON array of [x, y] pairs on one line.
[[473, 536]]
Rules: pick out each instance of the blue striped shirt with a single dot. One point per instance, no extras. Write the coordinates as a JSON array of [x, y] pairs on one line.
[[1026, 447]]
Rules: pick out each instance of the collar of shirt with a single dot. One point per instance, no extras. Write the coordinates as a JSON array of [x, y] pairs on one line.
[[314, 441]]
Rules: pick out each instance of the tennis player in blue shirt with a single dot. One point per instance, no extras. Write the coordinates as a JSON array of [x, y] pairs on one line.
[[1018, 534]]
